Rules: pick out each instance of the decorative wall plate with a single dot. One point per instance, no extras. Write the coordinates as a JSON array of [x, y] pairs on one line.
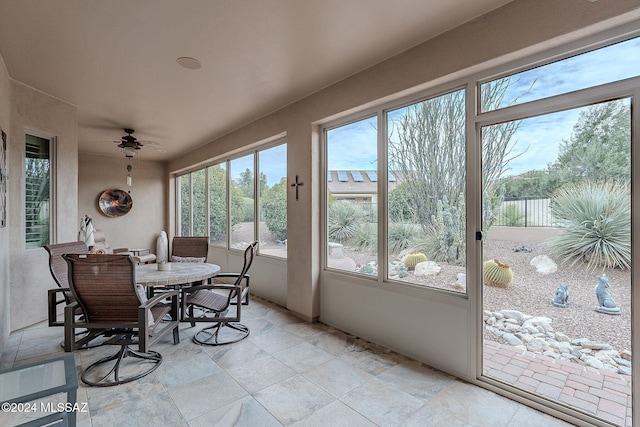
[[114, 202]]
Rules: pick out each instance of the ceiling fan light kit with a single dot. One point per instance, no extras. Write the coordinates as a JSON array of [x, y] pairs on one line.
[[129, 144]]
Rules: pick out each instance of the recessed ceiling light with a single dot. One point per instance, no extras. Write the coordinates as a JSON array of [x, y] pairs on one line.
[[190, 63]]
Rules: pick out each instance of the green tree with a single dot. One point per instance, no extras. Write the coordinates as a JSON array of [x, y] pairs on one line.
[[531, 184], [599, 148], [274, 209], [245, 182]]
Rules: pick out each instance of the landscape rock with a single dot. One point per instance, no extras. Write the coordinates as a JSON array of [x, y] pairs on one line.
[[535, 334], [426, 268], [544, 264]]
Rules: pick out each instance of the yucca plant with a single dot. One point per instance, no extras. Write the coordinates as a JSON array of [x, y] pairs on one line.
[[366, 237], [402, 236], [343, 220], [597, 221]]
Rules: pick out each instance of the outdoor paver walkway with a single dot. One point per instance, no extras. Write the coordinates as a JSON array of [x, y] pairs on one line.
[[602, 393]]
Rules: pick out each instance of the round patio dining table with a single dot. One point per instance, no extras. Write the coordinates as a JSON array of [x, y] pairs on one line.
[[180, 274]]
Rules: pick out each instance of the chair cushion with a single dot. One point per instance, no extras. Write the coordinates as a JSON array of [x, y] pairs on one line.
[[141, 292], [175, 258], [208, 299]]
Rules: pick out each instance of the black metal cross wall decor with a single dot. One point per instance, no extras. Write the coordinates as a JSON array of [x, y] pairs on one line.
[[297, 185]]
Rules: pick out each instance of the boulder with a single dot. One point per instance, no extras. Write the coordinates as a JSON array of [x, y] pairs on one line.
[[544, 264], [426, 268]]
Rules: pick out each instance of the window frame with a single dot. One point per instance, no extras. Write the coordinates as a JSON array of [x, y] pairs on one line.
[[53, 161], [381, 111], [254, 150], [585, 97]]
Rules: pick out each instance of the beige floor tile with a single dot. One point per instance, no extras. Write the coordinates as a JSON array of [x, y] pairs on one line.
[[293, 399], [383, 403], [338, 377], [206, 394]]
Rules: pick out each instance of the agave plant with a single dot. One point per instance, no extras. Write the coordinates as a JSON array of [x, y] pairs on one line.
[[402, 236], [342, 220], [597, 221], [366, 237]]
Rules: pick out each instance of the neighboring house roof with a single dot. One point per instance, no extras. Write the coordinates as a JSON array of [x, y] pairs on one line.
[[346, 182]]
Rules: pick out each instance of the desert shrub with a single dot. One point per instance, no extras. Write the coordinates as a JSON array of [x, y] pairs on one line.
[[366, 237], [511, 215], [403, 236], [401, 206], [597, 221], [274, 210], [342, 220]]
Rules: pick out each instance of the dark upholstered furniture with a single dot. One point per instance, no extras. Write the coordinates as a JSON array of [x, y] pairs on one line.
[[213, 302], [104, 287], [58, 268], [194, 247]]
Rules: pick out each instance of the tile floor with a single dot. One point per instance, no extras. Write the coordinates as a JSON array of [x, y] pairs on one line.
[[286, 373]]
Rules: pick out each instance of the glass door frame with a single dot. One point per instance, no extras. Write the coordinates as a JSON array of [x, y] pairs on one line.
[[629, 88]]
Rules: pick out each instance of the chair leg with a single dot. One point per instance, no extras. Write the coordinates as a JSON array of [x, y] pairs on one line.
[[193, 323], [211, 334], [114, 376], [176, 335]]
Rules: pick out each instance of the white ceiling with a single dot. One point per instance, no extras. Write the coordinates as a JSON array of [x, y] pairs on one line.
[[116, 59]]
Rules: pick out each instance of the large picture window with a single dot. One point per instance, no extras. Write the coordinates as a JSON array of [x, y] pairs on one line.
[[239, 200]]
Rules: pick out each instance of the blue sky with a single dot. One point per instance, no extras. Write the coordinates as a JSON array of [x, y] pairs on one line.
[[538, 139], [273, 163]]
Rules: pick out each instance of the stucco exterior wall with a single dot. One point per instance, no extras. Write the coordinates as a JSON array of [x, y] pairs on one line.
[[29, 269]]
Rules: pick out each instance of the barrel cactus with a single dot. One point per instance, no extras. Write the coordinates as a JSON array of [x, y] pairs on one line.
[[414, 258], [497, 273]]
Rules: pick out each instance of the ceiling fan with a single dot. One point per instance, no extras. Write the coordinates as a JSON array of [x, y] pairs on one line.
[[130, 144]]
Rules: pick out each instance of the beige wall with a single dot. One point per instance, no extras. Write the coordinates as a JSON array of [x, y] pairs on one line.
[[29, 269], [142, 225], [4, 231]]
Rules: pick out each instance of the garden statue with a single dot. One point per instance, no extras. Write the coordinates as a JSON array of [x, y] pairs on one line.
[[562, 296], [606, 304]]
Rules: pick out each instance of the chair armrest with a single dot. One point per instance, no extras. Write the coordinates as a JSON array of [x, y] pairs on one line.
[[52, 304], [151, 302], [244, 290], [69, 326], [147, 322]]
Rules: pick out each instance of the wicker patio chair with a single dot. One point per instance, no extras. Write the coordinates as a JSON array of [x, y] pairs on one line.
[[190, 249], [213, 302], [104, 287], [59, 272]]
